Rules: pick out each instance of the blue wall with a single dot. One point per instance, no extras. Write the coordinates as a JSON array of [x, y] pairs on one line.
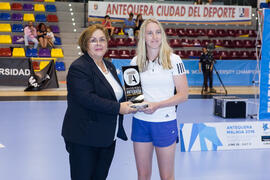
[[232, 72]]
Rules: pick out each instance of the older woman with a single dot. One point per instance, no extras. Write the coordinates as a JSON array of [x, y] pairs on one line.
[[155, 127], [94, 116]]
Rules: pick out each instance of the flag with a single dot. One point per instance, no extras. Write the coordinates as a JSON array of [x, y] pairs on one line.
[[45, 78], [244, 12]]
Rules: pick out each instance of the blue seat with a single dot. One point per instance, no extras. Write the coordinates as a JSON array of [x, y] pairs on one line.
[[31, 52], [40, 18], [60, 66], [57, 41], [4, 17], [264, 5], [17, 28], [50, 8]]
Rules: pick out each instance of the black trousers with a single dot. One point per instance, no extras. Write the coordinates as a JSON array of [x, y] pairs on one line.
[[89, 163], [207, 74]]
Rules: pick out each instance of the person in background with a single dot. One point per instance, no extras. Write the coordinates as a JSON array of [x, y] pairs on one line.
[[206, 66], [198, 2], [129, 26], [41, 34], [209, 2], [30, 34], [108, 25], [50, 37], [138, 22], [155, 127], [95, 108]]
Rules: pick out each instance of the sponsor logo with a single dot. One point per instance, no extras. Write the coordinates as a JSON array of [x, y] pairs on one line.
[[131, 77], [14, 72], [244, 12]]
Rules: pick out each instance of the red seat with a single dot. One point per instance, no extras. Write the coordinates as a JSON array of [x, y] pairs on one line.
[[181, 53], [228, 44], [234, 54], [120, 41], [5, 52], [216, 54], [244, 55], [132, 53], [130, 42], [186, 43], [192, 54], [181, 32], [238, 43], [191, 33], [218, 42], [253, 55], [231, 32], [197, 43], [199, 53], [221, 33], [113, 54], [205, 43], [224, 55], [52, 18], [117, 30], [252, 33], [35, 65], [124, 54], [249, 44], [112, 43], [174, 43], [170, 32], [241, 32], [211, 32], [16, 7], [201, 32]]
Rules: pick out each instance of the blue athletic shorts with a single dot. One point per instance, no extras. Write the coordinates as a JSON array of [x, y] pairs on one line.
[[161, 134]]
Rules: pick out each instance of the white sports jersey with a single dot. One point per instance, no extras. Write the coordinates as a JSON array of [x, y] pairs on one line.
[[157, 84]]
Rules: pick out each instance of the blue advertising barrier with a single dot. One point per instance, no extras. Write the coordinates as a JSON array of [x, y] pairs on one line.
[[264, 109], [232, 72]]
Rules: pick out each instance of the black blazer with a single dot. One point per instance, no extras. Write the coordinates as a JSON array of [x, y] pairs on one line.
[[92, 110]]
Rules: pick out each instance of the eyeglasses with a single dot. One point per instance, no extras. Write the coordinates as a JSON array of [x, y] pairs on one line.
[[97, 41]]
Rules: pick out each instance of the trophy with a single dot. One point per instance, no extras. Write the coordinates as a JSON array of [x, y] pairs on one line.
[[133, 87]]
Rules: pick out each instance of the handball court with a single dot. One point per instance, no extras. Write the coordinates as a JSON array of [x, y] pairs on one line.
[[31, 146]]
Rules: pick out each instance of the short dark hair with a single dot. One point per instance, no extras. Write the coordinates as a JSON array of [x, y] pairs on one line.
[[107, 16], [87, 34], [131, 14]]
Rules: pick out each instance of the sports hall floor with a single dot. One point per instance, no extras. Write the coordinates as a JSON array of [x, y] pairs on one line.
[[31, 147]]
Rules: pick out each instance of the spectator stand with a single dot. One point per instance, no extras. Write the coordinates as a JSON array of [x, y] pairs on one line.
[[14, 16], [232, 41]]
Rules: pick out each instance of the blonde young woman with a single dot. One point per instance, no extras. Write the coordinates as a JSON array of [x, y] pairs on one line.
[[155, 127]]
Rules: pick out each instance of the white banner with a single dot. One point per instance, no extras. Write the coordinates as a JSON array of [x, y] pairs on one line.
[[224, 136], [171, 12]]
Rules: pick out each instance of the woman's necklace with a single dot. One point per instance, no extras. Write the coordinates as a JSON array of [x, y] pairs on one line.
[[104, 68]]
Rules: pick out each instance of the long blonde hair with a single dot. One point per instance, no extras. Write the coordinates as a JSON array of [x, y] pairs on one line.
[[164, 52]]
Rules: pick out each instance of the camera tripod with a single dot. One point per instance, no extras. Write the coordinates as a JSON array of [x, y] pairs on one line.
[[219, 81]]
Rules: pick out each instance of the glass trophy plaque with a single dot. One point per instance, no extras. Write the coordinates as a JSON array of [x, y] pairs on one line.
[[133, 87]]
